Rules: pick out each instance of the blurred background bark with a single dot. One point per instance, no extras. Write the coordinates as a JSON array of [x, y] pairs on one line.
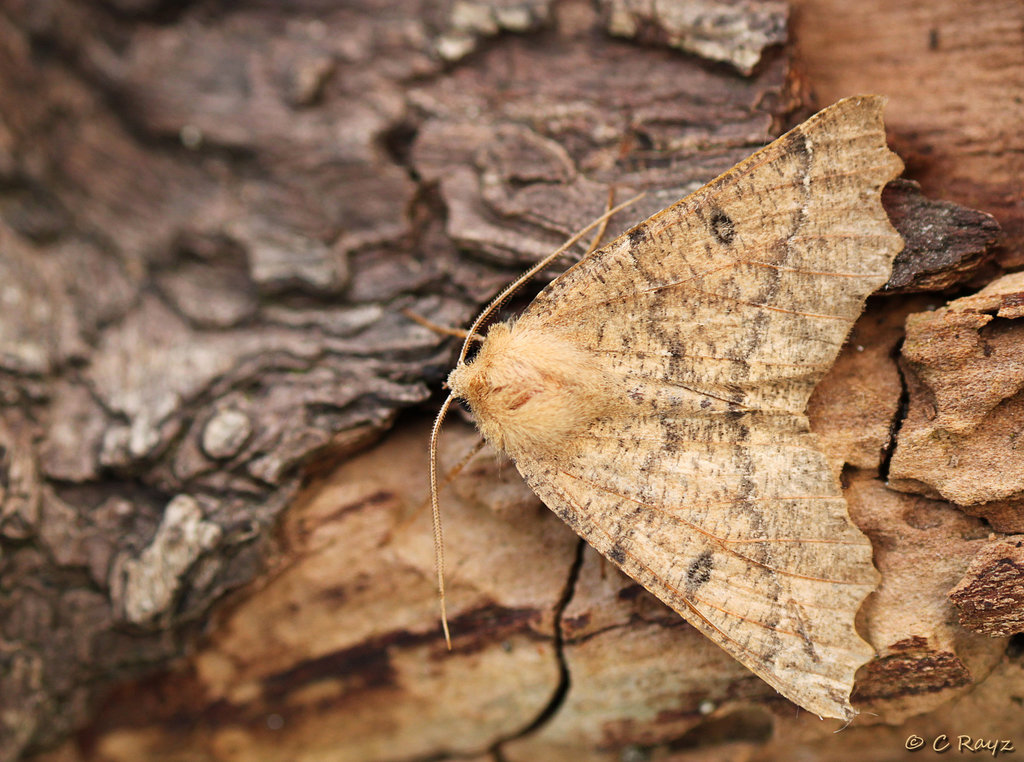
[[212, 217]]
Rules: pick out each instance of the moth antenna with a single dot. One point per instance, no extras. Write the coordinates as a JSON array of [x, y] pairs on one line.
[[435, 510], [518, 282], [438, 540]]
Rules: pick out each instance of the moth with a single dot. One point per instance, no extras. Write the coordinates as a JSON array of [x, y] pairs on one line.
[[654, 395]]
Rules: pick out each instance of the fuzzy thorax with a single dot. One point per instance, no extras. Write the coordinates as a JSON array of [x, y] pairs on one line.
[[531, 390]]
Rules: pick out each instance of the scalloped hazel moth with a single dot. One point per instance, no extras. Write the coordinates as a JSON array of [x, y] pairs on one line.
[[654, 397]]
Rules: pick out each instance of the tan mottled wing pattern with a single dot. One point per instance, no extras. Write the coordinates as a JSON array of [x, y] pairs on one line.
[[718, 316]]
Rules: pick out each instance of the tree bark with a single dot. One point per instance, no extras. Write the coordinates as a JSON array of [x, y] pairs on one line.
[[212, 222]]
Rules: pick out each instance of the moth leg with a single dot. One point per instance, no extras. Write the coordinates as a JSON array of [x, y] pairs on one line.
[[444, 330], [463, 462], [599, 236]]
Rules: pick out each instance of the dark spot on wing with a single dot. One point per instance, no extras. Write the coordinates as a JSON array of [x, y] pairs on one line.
[[809, 645], [567, 515], [795, 142], [722, 227], [700, 571], [772, 645], [637, 235], [617, 554]]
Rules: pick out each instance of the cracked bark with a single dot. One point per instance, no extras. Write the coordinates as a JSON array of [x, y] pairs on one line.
[[210, 221]]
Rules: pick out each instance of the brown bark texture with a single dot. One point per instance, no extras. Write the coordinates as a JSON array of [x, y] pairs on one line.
[[214, 221]]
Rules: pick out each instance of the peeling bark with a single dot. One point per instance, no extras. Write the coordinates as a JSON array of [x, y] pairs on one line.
[[945, 244], [965, 375], [990, 596]]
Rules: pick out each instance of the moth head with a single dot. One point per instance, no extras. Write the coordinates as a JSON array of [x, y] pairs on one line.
[[531, 390]]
